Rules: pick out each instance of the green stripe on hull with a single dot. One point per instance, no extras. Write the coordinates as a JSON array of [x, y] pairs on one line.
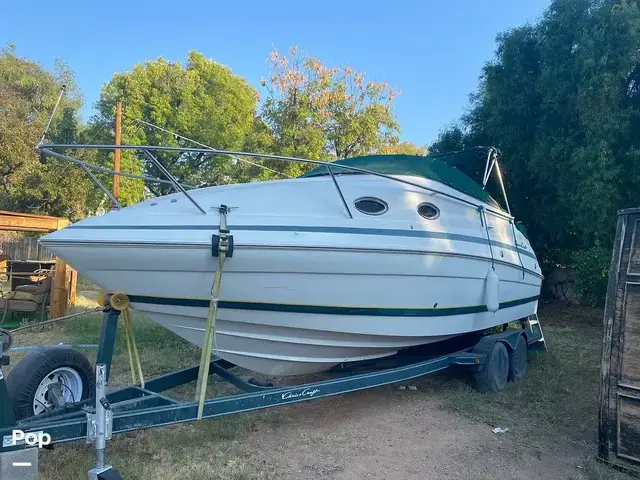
[[317, 229], [326, 309]]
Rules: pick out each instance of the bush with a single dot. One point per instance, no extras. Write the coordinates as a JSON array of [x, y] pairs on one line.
[[592, 271]]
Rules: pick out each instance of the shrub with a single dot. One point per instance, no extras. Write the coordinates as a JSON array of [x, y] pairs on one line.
[[592, 271]]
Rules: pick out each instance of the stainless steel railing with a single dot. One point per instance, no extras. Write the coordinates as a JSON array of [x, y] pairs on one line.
[[50, 150]]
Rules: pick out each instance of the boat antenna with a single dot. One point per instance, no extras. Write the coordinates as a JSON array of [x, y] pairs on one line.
[[492, 161], [492, 158], [63, 89], [504, 192]]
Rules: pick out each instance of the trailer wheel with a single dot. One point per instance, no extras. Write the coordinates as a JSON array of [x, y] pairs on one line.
[[518, 359], [492, 375], [28, 384]]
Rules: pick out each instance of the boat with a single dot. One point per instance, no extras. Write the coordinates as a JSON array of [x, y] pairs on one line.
[[353, 261]]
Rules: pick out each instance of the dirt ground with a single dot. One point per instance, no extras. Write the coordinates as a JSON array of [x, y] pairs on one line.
[[391, 434]]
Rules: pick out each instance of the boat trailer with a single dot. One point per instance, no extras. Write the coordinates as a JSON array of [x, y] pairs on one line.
[[492, 357], [138, 407]]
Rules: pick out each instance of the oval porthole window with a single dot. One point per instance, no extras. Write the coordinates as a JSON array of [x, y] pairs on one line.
[[371, 206], [428, 211]]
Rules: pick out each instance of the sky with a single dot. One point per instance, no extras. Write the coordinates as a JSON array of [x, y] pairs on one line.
[[431, 50]]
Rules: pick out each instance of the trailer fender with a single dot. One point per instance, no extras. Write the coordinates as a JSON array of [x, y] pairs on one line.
[[512, 339], [509, 337]]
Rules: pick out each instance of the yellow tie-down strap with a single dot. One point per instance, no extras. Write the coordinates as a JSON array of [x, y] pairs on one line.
[[120, 301]]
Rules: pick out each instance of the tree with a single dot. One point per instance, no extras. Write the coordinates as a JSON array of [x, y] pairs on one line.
[[403, 148], [561, 100], [450, 139], [27, 96], [325, 113], [202, 100]]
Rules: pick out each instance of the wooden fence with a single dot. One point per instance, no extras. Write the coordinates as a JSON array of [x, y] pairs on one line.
[[619, 432], [25, 249]]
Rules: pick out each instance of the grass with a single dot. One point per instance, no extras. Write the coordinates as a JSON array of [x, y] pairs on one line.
[[561, 387], [557, 404], [209, 450], [595, 470], [554, 409]]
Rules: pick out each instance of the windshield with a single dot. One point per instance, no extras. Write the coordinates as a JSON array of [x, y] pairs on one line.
[[431, 167]]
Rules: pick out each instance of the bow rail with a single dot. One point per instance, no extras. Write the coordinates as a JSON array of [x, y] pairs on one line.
[[49, 149]]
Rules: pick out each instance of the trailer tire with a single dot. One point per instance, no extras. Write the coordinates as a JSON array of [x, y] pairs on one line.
[[492, 375], [518, 359], [29, 378]]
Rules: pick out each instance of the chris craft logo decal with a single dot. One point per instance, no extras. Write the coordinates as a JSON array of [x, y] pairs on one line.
[[305, 392]]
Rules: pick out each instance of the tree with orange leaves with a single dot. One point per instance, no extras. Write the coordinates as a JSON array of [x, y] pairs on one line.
[[319, 112]]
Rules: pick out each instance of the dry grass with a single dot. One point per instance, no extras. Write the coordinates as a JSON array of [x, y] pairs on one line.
[[212, 449], [595, 470], [555, 406], [538, 406]]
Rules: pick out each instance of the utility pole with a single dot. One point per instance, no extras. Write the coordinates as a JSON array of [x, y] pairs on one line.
[[116, 155]]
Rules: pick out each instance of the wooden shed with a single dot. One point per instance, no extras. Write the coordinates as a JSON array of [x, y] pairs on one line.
[[65, 279], [619, 419]]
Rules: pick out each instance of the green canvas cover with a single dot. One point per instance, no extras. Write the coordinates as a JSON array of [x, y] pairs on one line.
[[437, 168], [471, 161]]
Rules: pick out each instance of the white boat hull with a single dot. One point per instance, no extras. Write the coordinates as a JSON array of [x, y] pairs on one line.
[[288, 321], [300, 295]]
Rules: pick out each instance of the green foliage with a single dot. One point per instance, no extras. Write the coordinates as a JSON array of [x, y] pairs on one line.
[[323, 113], [312, 111], [451, 139], [27, 96], [561, 100], [202, 100], [592, 269], [403, 148]]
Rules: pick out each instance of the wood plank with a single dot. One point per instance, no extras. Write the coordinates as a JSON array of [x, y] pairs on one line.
[[629, 427], [59, 292], [25, 222], [606, 414], [619, 418], [27, 225], [634, 257], [62, 222], [630, 344], [12, 222], [30, 215], [26, 249], [73, 287]]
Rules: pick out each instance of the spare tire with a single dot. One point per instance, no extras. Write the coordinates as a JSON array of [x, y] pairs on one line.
[[28, 382]]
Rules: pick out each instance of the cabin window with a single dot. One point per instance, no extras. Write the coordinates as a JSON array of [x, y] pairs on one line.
[[428, 211], [371, 206]]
